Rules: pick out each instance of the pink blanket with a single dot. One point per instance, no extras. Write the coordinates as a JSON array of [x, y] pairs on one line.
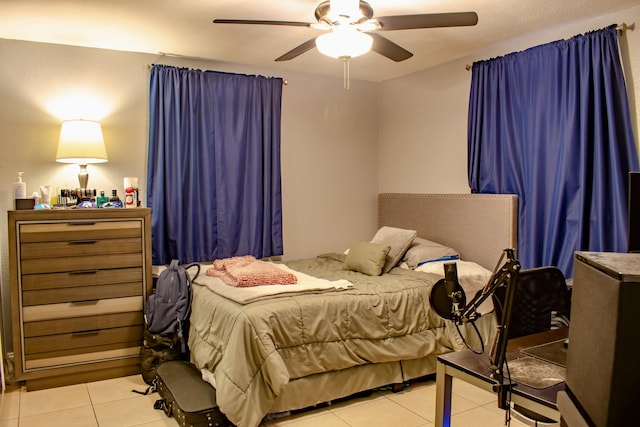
[[246, 271]]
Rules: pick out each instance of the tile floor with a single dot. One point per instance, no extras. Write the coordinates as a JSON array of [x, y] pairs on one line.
[[111, 403]]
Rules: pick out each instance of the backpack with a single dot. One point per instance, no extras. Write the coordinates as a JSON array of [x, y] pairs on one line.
[[166, 318], [168, 309]]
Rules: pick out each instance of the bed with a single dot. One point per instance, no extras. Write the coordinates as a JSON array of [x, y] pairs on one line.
[[277, 354]]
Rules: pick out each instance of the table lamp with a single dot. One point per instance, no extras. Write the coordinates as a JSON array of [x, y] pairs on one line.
[[81, 142]]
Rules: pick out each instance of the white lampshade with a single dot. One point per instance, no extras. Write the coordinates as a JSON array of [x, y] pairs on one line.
[[344, 43], [81, 142]]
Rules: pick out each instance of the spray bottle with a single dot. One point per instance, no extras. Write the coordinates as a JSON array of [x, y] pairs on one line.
[[19, 188]]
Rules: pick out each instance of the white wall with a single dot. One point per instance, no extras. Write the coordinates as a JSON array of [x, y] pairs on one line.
[[329, 139], [329, 157], [423, 131], [423, 116]]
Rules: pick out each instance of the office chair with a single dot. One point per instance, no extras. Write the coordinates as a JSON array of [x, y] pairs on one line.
[[542, 301]]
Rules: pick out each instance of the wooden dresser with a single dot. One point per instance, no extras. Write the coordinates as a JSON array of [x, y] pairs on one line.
[[79, 280]]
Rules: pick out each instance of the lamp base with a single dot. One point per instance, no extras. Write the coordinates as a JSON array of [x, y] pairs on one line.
[[83, 176]]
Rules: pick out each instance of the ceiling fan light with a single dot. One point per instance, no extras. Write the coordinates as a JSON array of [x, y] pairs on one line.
[[338, 44]]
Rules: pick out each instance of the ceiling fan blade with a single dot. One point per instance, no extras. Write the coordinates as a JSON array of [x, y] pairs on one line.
[[429, 20], [295, 52], [386, 47], [257, 22]]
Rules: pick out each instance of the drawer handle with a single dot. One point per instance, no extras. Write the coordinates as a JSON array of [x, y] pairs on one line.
[[86, 302], [81, 223], [87, 332], [83, 272], [81, 242]]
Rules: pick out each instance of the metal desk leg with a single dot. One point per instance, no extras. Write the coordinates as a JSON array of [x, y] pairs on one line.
[[444, 386]]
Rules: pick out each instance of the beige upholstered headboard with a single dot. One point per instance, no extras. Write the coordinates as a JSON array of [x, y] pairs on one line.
[[479, 226]]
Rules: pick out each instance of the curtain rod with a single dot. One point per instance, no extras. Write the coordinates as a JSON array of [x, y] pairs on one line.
[[284, 81], [624, 27], [621, 28], [198, 58]]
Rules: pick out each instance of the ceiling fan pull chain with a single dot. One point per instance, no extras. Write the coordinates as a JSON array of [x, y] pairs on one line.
[[345, 66]]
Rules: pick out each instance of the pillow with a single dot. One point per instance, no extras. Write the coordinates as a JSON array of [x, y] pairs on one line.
[[423, 250], [472, 278], [465, 268], [366, 257], [398, 240]]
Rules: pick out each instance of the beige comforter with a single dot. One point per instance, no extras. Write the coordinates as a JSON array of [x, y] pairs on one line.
[[253, 350]]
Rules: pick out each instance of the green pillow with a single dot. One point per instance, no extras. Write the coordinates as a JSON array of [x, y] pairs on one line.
[[367, 258]]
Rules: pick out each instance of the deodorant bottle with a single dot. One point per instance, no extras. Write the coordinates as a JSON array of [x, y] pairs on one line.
[[131, 192]]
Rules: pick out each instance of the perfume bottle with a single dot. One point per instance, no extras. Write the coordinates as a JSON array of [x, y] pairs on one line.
[[101, 199]]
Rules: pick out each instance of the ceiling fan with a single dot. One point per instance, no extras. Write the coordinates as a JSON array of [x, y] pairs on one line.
[[354, 29]]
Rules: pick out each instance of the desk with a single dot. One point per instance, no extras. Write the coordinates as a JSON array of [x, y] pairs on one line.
[[474, 369]]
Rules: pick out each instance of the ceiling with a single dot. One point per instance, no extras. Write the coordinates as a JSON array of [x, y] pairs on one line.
[[184, 28]]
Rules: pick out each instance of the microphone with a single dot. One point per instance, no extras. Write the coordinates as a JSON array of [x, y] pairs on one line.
[[447, 298], [451, 281], [452, 285]]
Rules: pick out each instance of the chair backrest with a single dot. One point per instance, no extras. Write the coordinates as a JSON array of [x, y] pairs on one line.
[[541, 299]]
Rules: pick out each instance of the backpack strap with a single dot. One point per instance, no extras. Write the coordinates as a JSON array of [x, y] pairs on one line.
[[174, 264], [197, 266], [183, 344], [189, 281]]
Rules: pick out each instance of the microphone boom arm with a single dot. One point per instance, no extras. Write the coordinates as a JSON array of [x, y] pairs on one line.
[[506, 276]]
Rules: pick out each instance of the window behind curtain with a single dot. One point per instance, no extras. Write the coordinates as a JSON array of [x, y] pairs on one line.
[[552, 125], [213, 180]]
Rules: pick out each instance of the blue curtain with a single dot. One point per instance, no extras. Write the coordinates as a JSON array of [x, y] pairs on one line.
[[552, 125], [213, 181]]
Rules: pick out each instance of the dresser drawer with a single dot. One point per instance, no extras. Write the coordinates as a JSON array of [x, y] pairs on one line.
[[80, 248], [103, 353], [70, 279], [80, 264], [81, 294], [75, 324], [36, 313], [69, 343], [79, 230]]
